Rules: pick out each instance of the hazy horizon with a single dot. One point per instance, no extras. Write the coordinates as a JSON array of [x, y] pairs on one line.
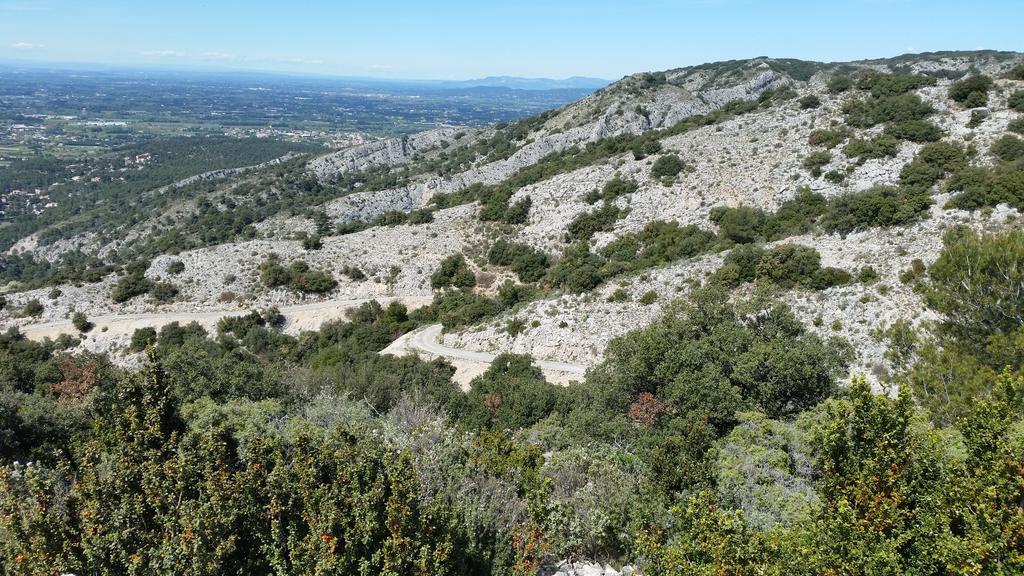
[[459, 40]]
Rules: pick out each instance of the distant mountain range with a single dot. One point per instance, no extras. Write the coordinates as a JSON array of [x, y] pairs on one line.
[[517, 83]]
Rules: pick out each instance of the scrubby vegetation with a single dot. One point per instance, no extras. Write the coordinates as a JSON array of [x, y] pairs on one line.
[[724, 438], [453, 271], [298, 276], [972, 92]]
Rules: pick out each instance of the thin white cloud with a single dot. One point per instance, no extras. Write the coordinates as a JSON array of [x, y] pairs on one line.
[[307, 61], [219, 56], [26, 46], [162, 53]]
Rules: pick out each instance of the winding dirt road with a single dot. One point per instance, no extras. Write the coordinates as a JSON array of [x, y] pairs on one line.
[[469, 364], [300, 317]]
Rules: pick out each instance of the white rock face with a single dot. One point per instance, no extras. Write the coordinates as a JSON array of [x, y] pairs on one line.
[[387, 152]]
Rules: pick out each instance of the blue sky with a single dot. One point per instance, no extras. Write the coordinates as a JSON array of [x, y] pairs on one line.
[[467, 39]]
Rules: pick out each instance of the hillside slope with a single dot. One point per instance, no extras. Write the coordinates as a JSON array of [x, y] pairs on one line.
[[756, 134]]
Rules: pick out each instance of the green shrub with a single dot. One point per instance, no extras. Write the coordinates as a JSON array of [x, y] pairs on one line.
[[741, 225], [658, 243], [1016, 73], [1016, 101], [914, 131], [457, 308], [707, 358], [839, 84], [788, 265], [529, 264], [32, 308], [1016, 125], [976, 284], [163, 292], [54, 293], [81, 322], [827, 138], [867, 275], [619, 295], [298, 276], [979, 187], [511, 394], [420, 216], [353, 273], [129, 286], [667, 166], [810, 102], [648, 298], [977, 118], [880, 146], [312, 282], [898, 108], [175, 267], [878, 206], [835, 176], [612, 189], [972, 92], [515, 327], [815, 161], [886, 85], [518, 213], [453, 271], [578, 270], [312, 242], [933, 162], [828, 277], [584, 226], [142, 338], [1008, 148]]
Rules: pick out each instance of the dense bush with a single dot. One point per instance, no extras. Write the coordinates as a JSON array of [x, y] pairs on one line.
[[1016, 125], [81, 322], [880, 146], [815, 161], [979, 187], [584, 226], [877, 206], [298, 276], [667, 166], [829, 138], [657, 243], [972, 92], [707, 359], [884, 85], [511, 394], [839, 84], [1008, 148], [32, 307], [788, 265], [529, 264], [612, 189], [1016, 101], [453, 271], [454, 309], [129, 286], [899, 108], [810, 102], [578, 270], [163, 292], [914, 131]]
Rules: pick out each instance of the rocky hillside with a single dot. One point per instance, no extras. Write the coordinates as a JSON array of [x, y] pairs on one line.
[[608, 210]]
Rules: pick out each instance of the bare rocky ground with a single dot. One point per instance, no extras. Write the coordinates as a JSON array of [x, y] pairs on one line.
[[755, 159]]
